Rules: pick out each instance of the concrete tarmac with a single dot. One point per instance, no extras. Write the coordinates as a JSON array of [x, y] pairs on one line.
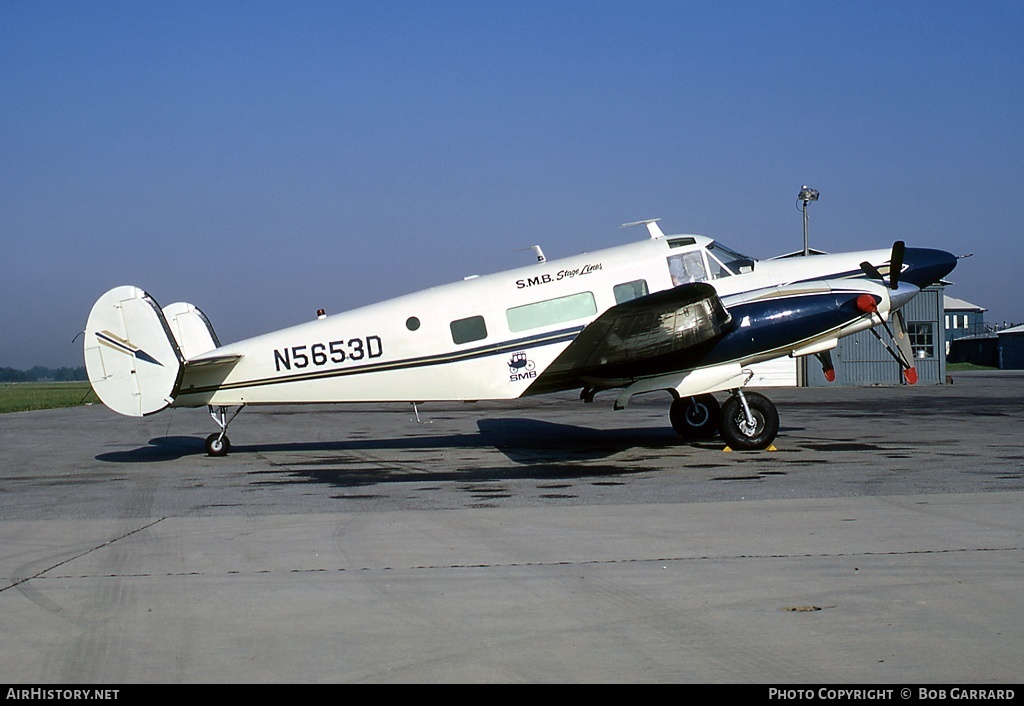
[[538, 541]]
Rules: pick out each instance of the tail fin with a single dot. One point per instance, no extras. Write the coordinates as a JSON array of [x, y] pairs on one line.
[[133, 360], [192, 331]]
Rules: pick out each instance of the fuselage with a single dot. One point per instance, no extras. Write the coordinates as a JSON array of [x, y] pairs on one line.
[[492, 336]]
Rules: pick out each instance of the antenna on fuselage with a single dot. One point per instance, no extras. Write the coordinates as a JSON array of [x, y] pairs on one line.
[[536, 251], [652, 227]]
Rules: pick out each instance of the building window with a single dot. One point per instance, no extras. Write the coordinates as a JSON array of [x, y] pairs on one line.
[[922, 339], [551, 311], [630, 291], [470, 329]]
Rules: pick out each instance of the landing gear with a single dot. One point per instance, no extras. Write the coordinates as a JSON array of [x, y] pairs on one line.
[[750, 422], [695, 417], [218, 444]]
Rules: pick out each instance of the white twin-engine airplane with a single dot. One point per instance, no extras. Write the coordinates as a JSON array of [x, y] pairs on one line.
[[681, 313]]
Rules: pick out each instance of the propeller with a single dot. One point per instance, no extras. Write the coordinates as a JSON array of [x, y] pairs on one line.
[[899, 249], [902, 352]]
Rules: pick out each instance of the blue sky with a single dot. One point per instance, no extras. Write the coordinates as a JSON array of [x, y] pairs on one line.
[[265, 159]]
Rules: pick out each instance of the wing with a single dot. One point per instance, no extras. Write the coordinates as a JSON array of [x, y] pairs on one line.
[[652, 335]]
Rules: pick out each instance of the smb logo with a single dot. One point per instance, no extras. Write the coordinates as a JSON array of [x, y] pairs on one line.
[[520, 367]]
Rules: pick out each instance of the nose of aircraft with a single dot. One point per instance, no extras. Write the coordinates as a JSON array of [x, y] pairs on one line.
[[925, 266]]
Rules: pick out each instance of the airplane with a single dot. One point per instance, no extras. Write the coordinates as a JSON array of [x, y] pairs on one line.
[[682, 314]]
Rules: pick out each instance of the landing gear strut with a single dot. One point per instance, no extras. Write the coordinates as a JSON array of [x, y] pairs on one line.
[[750, 422], [218, 444]]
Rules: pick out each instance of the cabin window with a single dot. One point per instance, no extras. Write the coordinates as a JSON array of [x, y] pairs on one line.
[[469, 329], [630, 290], [551, 311], [681, 242], [687, 267], [412, 323]]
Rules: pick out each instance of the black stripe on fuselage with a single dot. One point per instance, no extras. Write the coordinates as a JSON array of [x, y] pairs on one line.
[[499, 348]]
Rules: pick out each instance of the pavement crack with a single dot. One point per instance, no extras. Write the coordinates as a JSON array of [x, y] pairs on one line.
[[17, 581]]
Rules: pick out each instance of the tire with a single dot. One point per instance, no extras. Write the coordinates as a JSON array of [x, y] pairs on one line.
[[217, 445], [738, 434], [695, 417]]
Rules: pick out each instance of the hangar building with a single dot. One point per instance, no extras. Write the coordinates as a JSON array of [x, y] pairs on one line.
[[1011, 348]]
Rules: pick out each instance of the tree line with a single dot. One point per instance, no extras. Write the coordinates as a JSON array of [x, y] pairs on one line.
[[42, 374]]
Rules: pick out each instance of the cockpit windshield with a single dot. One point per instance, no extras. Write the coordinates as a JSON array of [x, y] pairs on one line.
[[724, 262]]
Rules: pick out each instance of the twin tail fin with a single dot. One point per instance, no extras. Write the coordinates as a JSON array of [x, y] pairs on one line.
[[136, 352]]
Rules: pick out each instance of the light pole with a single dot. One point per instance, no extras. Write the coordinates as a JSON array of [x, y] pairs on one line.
[[806, 195]]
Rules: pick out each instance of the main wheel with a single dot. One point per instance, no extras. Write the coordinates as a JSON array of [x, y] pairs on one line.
[[695, 417], [739, 433], [217, 445]]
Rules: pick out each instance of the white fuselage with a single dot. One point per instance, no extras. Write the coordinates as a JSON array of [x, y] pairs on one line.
[[486, 337]]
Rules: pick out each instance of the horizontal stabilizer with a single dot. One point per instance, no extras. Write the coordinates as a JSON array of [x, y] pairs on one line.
[[214, 360]]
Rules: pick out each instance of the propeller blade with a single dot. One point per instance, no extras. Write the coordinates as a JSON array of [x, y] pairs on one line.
[[870, 270], [896, 263], [903, 352], [825, 358], [902, 339]]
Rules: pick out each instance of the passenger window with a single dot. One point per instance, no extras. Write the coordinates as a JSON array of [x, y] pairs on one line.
[[630, 290], [551, 311], [687, 267], [468, 330]]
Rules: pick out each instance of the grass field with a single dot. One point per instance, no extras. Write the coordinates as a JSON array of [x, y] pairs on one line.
[[27, 396], [960, 367]]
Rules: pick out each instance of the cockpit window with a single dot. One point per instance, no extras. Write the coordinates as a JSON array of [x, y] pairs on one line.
[[687, 267], [724, 262]]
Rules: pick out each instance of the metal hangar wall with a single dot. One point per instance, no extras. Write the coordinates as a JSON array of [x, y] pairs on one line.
[[861, 359]]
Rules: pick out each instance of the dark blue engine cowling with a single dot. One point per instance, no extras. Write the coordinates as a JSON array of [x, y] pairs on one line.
[[765, 326], [782, 324]]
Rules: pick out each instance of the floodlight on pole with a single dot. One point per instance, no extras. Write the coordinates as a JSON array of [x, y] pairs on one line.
[[806, 195]]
